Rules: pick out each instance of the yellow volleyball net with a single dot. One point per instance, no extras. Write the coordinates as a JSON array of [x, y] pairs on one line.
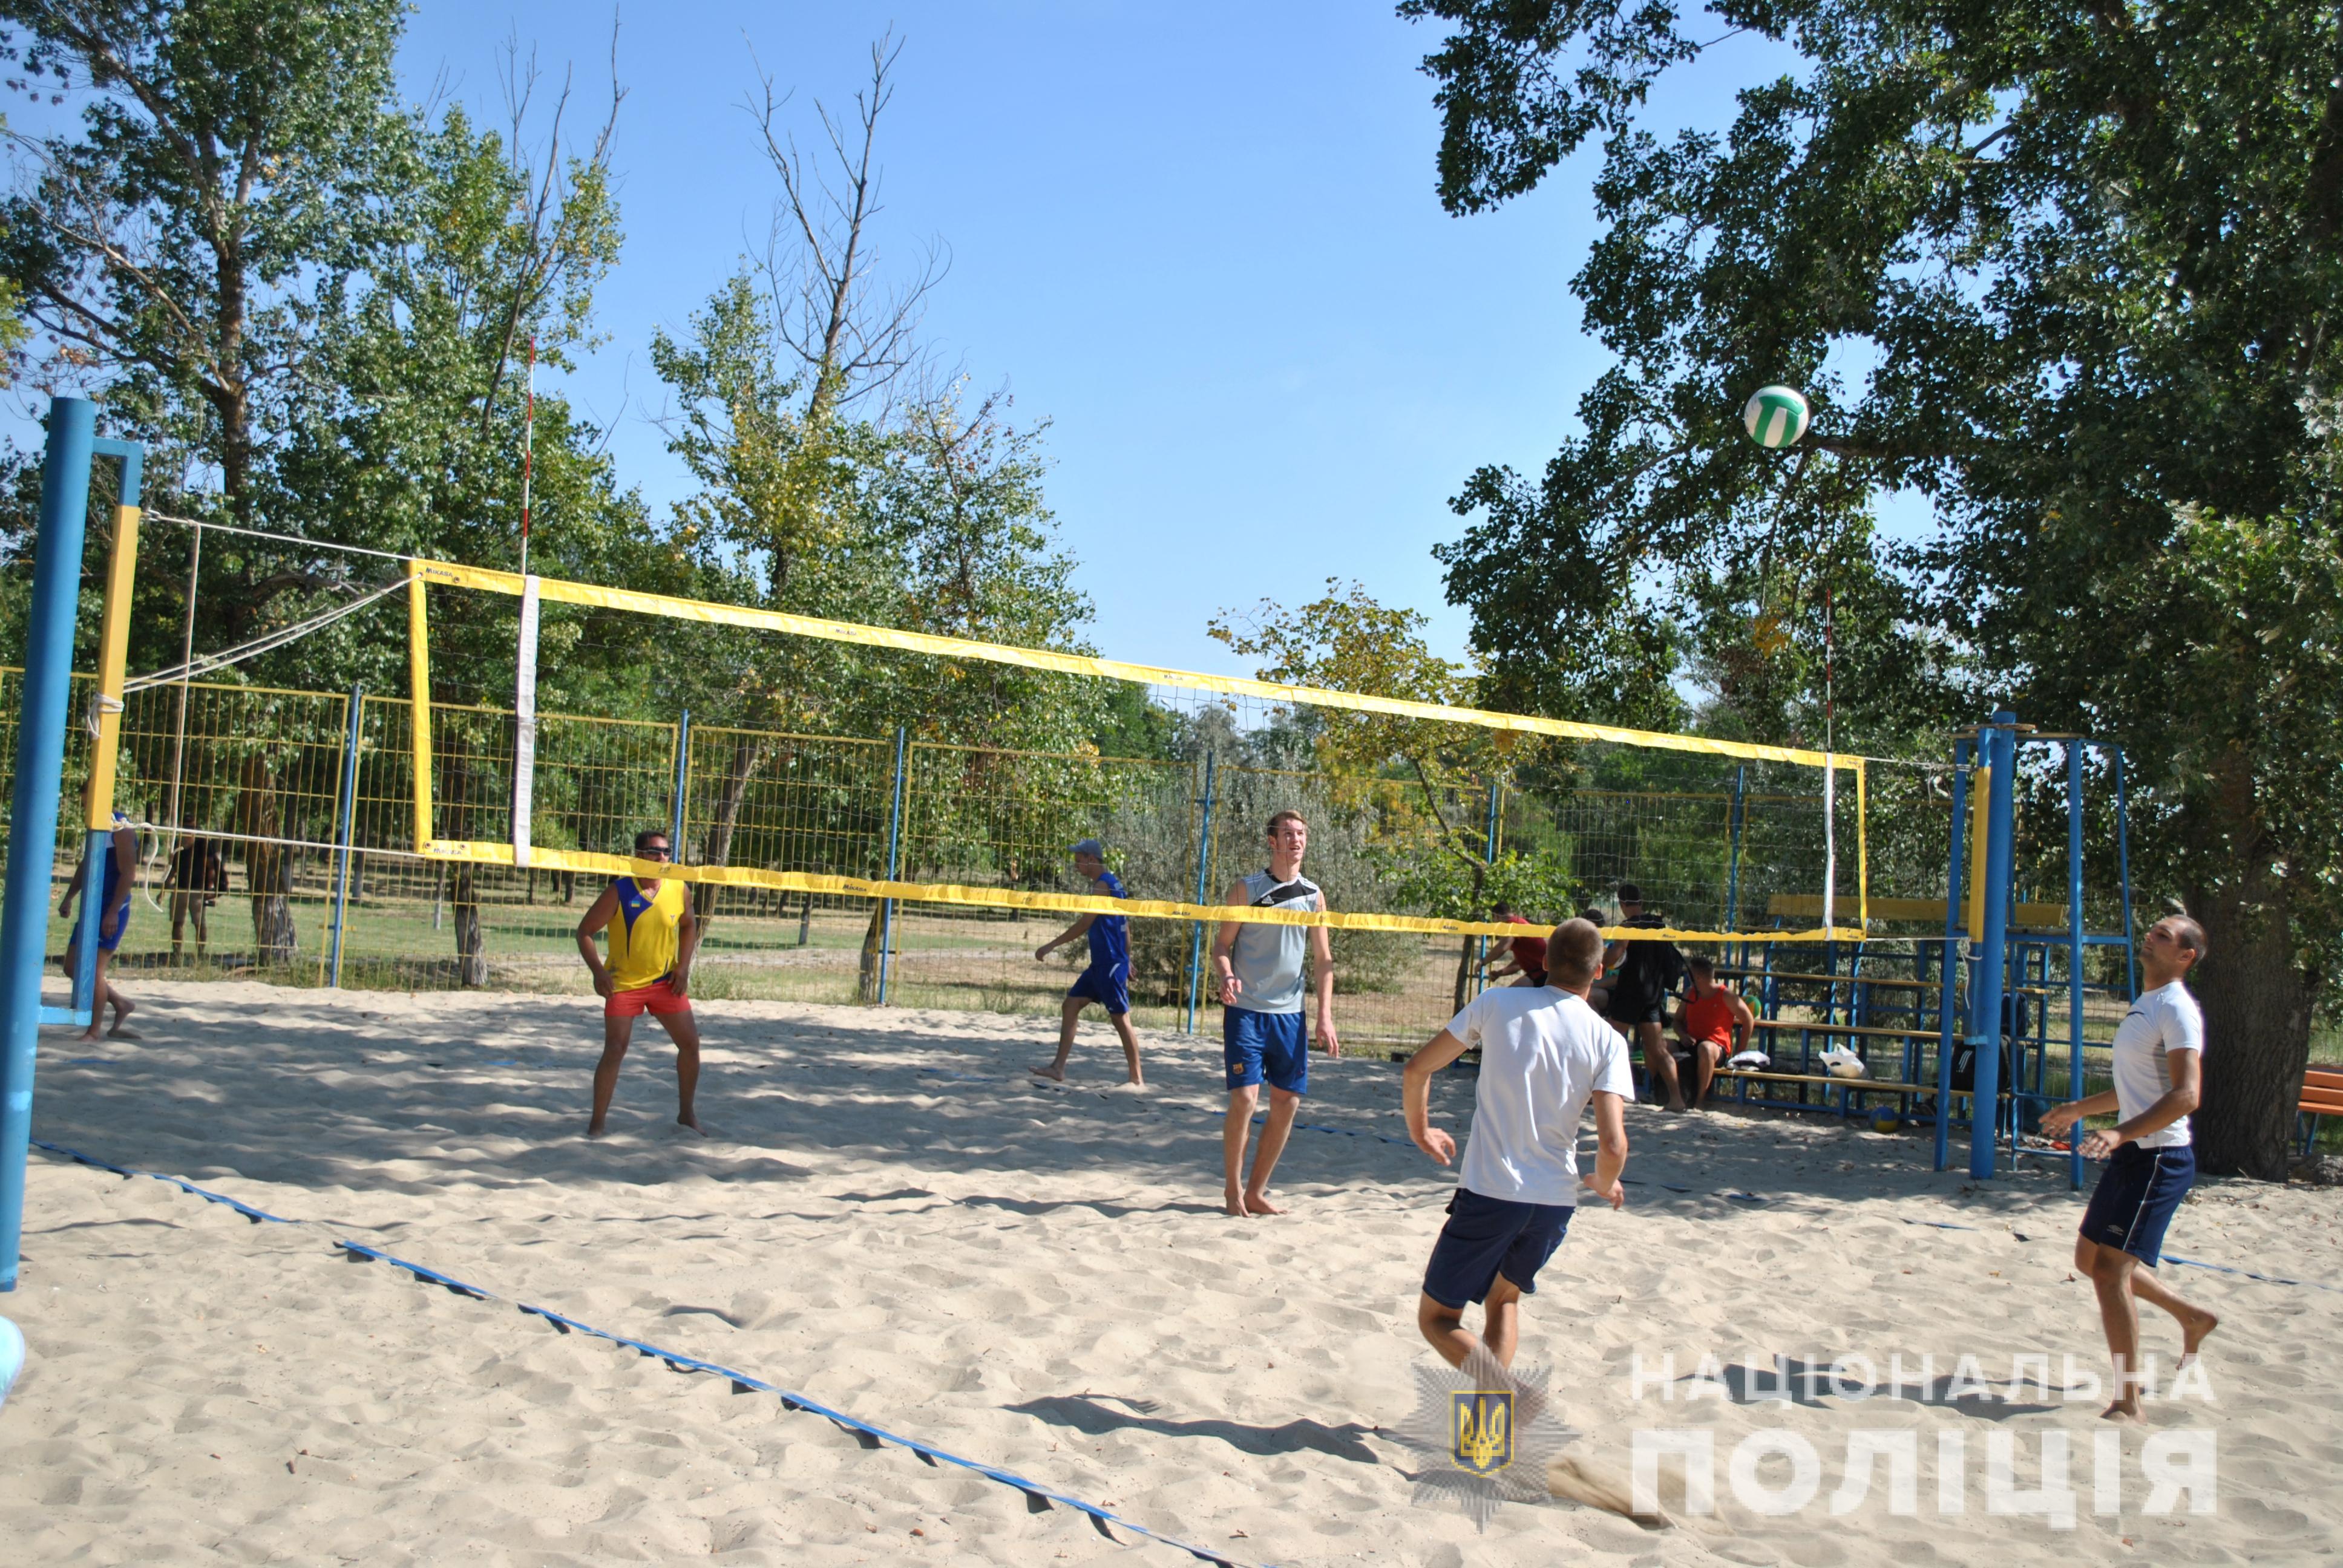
[[1421, 814]]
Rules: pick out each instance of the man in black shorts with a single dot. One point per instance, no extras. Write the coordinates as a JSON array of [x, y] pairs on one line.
[[1637, 1006]]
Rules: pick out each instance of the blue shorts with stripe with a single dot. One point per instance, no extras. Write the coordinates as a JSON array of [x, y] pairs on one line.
[[1266, 1047], [1107, 984], [2135, 1197]]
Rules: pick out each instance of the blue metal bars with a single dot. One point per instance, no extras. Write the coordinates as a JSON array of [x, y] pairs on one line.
[[1203, 869], [344, 827]]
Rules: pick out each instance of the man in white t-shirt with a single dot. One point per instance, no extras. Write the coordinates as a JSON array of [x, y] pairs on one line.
[[1545, 1056], [2159, 1053]]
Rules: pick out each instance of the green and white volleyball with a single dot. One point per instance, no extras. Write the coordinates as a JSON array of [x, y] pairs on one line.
[[1775, 416]]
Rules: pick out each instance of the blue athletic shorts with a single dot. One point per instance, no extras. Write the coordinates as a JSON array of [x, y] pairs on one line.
[[1106, 983], [2136, 1197], [105, 944], [1486, 1237], [1266, 1047]]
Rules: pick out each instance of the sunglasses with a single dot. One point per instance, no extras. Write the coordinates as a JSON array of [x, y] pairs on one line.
[[650, 852]]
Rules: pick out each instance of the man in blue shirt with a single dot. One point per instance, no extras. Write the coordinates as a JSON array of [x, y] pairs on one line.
[[1108, 980]]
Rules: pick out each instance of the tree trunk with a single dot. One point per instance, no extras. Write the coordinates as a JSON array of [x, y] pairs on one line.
[[2257, 1030], [267, 869], [874, 941], [805, 922], [471, 944], [747, 751]]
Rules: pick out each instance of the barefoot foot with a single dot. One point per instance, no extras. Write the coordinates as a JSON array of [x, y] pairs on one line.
[[1233, 1202], [1257, 1203], [1053, 1073], [596, 1130], [692, 1122], [2194, 1330], [2121, 1409]]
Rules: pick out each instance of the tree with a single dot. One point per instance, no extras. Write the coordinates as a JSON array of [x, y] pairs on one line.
[[2090, 252], [234, 163], [1349, 642]]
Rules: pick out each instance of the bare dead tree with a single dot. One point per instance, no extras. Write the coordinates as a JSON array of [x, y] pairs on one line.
[[548, 216], [820, 261]]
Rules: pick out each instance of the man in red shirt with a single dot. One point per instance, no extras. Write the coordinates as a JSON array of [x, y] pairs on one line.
[[1524, 955], [1712, 1024]]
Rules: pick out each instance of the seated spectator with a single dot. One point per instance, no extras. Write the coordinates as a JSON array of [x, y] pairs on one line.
[[1712, 1023], [1524, 955]]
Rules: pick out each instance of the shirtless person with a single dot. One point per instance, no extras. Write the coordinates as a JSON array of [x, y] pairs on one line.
[[2159, 1052], [1713, 1024], [648, 923], [1259, 968], [121, 876]]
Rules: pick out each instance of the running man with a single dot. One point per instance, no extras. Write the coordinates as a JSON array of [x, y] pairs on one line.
[[1523, 955], [112, 919], [1713, 1024], [1544, 1057], [1107, 981], [1262, 1034], [649, 926], [2159, 1054]]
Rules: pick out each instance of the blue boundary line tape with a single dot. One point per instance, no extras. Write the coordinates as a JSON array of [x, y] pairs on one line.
[[2248, 1274], [258, 1216], [1038, 1497]]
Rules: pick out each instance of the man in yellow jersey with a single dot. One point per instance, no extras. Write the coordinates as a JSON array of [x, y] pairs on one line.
[[650, 927]]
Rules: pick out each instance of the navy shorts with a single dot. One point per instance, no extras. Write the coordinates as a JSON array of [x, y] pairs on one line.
[[1266, 1047], [1628, 1008], [2135, 1197], [1109, 984], [1486, 1237], [105, 944]]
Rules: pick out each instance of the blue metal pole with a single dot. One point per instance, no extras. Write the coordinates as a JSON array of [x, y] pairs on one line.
[[1489, 859], [682, 786], [1984, 1013], [2123, 864], [32, 805], [2075, 1090], [347, 827], [1203, 869], [1950, 967], [894, 851]]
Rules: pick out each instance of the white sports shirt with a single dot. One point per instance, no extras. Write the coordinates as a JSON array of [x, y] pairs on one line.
[[2164, 1019], [1544, 1054]]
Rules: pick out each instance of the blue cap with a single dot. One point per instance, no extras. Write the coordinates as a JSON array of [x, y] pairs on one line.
[[1089, 847]]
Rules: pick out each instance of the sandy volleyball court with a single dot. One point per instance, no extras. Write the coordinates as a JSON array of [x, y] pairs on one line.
[[893, 1220]]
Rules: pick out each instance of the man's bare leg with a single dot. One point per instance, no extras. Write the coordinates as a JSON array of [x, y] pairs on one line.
[[178, 927], [2111, 1270], [1705, 1056], [1121, 1022], [1283, 1105], [1233, 1134], [1444, 1326], [684, 1029], [1068, 1013], [1661, 1064], [616, 1033], [2196, 1324]]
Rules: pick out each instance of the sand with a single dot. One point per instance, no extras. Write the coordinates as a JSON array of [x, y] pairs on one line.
[[893, 1219]]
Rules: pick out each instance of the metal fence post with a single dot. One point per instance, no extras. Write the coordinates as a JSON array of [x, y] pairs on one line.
[[345, 827], [682, 786], [1955, 897], [1480, 954], [2123, 868], [1732, 860], [894, 862], [1203, 869]]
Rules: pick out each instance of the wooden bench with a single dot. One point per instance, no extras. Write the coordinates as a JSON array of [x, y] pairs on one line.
[[2322, 1095]]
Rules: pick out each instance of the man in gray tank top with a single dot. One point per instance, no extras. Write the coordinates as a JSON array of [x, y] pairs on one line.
[[1262, 1039]]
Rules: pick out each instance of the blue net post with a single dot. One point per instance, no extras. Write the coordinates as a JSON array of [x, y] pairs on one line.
[[894, 863], [2075, 1090], [1949, 966], [1489, 858], [1203, 869], [682, 787], [1984, 1013], [33, 805], [345, 829]]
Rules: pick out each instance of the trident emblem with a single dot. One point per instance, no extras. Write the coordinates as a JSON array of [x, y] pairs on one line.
[[1484, 1429]]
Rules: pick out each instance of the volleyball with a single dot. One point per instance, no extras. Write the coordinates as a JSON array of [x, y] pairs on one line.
[[1776, 416]]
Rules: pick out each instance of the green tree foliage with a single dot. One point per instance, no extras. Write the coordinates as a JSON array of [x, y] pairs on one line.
[[2068, 271]]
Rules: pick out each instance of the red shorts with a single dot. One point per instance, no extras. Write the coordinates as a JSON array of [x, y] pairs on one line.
[[659, 997]]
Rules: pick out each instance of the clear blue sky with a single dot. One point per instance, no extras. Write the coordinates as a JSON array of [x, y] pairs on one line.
[[1201, 241]]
